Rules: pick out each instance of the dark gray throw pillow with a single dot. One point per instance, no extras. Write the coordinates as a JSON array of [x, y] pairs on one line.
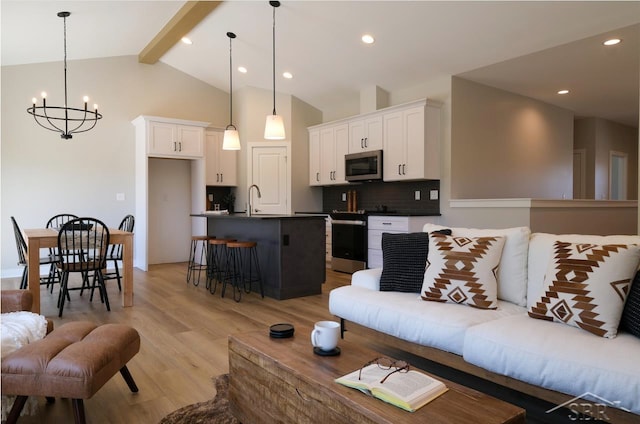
[[630, 320], [404, 258]]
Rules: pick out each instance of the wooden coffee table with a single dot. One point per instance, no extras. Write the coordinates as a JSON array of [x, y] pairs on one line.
[[282, 380]]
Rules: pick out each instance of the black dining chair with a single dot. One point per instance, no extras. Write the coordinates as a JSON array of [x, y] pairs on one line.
[[115, 251], [21, 246], [82, 248], [56, 222]]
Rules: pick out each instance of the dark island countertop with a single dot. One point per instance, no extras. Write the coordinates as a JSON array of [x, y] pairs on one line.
[[244, 216]]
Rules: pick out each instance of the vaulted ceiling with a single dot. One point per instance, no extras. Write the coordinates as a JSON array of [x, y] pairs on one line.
[[532, 48]]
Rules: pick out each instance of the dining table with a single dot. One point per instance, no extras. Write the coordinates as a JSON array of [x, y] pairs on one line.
[[41, 238]]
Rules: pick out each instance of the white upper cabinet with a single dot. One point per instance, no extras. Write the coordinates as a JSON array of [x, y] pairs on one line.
[[334, 144], [365, 134], [314, 157], [221, 165], [412, 142], [168, 139], [408, 135]]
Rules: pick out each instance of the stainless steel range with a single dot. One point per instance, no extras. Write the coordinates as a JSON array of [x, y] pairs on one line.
[[348, 241]]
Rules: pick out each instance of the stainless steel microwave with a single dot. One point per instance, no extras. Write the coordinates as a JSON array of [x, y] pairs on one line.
[[363, 166]]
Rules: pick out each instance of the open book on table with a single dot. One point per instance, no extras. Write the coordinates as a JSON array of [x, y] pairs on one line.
[[407, 390]]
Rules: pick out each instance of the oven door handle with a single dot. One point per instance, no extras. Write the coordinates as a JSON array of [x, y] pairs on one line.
[[348, 222]]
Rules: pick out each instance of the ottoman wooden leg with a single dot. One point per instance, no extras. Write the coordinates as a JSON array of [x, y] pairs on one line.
[[78, 411], [18, 404], [124, 371]]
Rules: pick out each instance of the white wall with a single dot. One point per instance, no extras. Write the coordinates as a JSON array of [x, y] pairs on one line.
[[42, 175], [169, 198], [254, 105]]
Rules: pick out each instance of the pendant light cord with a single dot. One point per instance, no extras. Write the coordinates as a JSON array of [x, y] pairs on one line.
[[230, 84], [274, 60]]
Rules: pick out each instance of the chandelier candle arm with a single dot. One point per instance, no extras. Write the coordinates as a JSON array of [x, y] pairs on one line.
[[49, 115], [274, 126]]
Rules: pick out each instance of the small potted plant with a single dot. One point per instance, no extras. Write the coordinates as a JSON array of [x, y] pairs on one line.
[[229, 202]]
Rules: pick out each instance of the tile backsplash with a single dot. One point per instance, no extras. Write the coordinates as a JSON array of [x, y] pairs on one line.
[[399, 197]]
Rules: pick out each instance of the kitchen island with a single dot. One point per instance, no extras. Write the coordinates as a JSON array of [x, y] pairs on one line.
[[291, 249]]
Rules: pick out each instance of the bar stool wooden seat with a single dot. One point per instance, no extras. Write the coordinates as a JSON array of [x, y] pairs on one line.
[[243, 268], [218, 257], [201, 243]]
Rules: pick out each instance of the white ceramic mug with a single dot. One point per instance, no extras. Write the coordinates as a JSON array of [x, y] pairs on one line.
[[325, 335]]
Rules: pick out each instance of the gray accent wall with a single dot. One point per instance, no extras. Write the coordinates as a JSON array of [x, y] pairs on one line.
[[504, 145]]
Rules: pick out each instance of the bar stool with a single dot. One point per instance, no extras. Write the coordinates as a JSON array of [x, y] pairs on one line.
[[218, 257], [197, 241], [243, 268]]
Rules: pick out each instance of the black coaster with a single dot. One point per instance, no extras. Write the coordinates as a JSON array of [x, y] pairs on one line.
[[281, 331], [333, 352]]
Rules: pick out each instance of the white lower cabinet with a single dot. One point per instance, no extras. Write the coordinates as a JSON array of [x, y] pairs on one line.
[[328, 242], [377, 225]]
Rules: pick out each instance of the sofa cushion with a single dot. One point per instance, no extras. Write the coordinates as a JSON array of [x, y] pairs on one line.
[[512, 274], [630, 320], [404, 257], [586, 286], [405, 316], [541, 250], [559, 357], [463, 270]]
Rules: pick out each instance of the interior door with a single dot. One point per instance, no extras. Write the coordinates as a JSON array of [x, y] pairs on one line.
[[269, 172], [617, 175]]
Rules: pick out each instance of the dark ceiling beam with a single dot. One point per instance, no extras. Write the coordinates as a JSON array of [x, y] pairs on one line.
[[190, 15]]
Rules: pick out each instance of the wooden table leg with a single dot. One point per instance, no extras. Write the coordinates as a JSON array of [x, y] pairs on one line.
[[127, 271], [33, 264]]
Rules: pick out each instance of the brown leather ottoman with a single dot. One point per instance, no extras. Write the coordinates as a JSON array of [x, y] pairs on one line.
[[74, 361]]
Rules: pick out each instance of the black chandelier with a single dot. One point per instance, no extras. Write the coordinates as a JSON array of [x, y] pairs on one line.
[[52, 117]]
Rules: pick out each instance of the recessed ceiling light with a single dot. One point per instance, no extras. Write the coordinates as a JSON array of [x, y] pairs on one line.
[[187, 40], [287, 75], [563, 92], [368, 39], [612, 42], [242, 69]]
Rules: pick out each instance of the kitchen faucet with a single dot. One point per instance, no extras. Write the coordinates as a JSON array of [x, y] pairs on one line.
[[249, 197]]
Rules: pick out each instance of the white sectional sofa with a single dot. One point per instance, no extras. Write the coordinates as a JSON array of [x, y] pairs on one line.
[[550, 360]]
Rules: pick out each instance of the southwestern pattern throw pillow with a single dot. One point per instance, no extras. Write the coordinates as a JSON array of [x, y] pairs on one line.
[[586, 286], [463, 270]]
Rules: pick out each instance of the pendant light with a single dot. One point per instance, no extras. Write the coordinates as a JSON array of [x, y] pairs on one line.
[[61, 118], [231, 139], [274, 127]]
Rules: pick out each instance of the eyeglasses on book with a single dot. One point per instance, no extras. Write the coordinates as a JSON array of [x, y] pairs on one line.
[[386, 364]]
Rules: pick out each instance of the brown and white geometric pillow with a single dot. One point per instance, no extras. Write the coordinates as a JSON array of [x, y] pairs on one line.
[[463, 270], [586, 286]]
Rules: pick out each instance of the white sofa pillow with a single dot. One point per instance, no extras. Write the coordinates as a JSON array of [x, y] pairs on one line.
[[512, 274], [541, 251]]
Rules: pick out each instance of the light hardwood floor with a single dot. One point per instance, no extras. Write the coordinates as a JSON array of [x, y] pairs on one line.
[[183, 332]]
